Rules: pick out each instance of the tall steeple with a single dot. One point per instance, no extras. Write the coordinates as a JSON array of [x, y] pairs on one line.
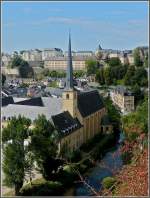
[[69, 78]]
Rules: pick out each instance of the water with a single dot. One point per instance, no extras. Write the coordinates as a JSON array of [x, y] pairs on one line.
[[108, 166]]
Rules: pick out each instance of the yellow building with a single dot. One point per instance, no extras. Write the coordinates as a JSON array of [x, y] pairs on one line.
[[82, 113], [60, 63]]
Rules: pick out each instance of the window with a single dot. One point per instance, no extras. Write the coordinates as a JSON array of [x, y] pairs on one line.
[[67, 96], [4, 118]]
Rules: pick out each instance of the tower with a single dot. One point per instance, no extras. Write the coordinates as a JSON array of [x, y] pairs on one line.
[[70, 95]]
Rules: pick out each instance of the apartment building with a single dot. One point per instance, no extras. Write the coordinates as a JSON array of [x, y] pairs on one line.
[[123, 98]]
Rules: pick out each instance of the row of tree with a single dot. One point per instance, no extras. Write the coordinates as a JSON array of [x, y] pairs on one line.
[[62, 74], [130, 75]]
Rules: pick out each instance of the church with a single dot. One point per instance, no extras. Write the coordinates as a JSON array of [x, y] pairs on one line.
[[76, 115], [81, 115]]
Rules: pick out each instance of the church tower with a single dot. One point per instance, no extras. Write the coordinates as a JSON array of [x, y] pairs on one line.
[[70, 95]]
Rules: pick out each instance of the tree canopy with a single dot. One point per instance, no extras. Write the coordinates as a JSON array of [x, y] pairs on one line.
[[114, 61], [91, 66], [137, 59], [14, 163], [3, 79], [43, 145], [25, 70]]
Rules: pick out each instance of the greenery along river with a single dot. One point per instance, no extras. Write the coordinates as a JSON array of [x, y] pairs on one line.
[[108, 166]]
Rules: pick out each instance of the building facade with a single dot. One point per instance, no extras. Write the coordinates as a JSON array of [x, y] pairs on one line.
[[32, 55], [51, 52], [60, 63], [123, 98], [85, 108]]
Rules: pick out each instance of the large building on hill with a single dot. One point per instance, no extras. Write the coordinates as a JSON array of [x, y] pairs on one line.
[[76, 115], [60, 63]]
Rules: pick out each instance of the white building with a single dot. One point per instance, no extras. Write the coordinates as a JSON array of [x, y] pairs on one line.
[[32, 55], [72, 52], [84, 53], [51, 52], [130, 59], [6, 58], [123, 98], [114, 55]]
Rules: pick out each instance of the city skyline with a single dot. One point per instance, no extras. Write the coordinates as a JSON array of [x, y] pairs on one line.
[[113, 25]]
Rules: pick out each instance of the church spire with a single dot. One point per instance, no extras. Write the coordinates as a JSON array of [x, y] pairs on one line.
[[69, 78]]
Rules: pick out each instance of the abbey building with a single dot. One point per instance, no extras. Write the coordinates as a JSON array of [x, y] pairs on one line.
[[82, 112]]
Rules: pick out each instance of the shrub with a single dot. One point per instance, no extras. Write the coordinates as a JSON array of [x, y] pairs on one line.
[[76, 156], [108, 182], [66, 176], [126, 157], [105, 143], [132, 136], [88, 163], [42, 188]]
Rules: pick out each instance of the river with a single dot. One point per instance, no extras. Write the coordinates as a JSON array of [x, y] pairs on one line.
[[108, 166]]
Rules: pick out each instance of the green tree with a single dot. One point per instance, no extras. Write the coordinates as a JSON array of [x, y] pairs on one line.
[[16, 61], [114, 61], [100, 76], [137, 59], [78, 73], [25, 70], [113, 113], [41, 64], [44, 145], [118, 72], [128, 79], [108, 76], [45, 72], [140, 77], [91, 66], [138, 94], [137, 120], [146, 60], [3, 79], [14, 152]]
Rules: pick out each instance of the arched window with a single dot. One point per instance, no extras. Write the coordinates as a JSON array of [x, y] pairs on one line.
[[67, 96]]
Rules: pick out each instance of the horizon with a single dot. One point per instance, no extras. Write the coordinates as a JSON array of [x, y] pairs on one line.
[[39, 25]]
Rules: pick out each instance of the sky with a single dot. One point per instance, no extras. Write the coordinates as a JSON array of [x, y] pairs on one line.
[[113, 25]]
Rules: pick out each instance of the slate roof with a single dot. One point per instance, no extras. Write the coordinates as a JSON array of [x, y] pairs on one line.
[[123, 91], [31, 102], [65, 123], [89, 102], [7, 100], [51, 106]]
